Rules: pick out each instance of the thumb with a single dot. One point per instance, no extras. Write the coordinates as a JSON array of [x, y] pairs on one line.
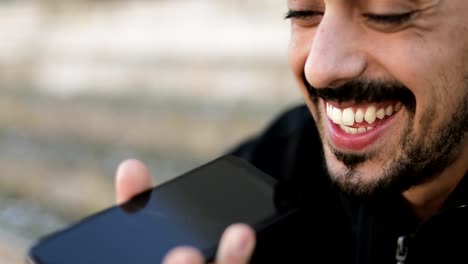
[[132, 177], [237, 245]]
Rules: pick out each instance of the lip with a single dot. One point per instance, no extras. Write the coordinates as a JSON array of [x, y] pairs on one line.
[[358, 142]]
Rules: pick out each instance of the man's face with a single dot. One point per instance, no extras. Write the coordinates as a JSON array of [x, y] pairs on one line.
[[387, 83]]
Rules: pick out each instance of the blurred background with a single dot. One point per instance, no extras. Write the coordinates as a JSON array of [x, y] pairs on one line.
[[86, 84]]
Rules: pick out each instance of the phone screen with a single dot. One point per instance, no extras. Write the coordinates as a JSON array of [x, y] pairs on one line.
[[193, 209]]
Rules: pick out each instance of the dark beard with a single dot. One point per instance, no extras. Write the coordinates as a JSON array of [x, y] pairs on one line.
[[419, 161], [365, 90]]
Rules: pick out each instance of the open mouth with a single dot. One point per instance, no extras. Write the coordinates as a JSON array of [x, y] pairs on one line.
[[354, 127]]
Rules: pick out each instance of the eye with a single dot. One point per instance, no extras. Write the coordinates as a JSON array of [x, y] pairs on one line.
[[389, 19], [305, 18], [302, 14]]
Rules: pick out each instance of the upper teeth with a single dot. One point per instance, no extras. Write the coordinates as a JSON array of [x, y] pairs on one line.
[[349, 116]]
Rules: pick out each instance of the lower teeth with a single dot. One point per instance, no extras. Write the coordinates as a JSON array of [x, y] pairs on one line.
[[353, 130]]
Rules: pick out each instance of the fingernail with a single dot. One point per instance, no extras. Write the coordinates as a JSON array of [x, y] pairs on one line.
[[240, 241], [183, 255]]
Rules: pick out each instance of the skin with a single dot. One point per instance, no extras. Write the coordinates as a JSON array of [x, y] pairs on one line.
[[426, 53], [237, 242], [431, 45]]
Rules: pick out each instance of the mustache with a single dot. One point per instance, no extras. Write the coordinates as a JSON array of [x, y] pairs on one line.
[[365, 90]]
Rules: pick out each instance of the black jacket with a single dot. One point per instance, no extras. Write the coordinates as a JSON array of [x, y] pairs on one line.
[[336, 228]]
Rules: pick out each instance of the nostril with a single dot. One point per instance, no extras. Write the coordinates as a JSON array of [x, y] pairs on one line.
[[336, 84]]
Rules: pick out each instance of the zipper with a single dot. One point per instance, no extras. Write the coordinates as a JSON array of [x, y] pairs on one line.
[[402, 249], [403, 241]]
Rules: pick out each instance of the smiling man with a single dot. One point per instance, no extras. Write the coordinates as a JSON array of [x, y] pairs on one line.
[[387, 83], [383, 163]]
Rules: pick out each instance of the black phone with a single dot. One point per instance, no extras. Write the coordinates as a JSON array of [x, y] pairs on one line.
[[192, 209]]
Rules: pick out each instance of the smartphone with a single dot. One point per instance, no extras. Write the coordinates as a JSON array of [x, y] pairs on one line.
[[192, 210]]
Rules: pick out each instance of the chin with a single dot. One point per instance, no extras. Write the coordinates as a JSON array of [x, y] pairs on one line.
[[364, 175]]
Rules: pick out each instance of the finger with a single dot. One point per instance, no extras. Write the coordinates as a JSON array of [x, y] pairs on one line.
[[132, 177], [236, 245], [183, 255]]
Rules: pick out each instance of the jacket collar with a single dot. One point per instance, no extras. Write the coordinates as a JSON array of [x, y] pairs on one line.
[[459, 197]]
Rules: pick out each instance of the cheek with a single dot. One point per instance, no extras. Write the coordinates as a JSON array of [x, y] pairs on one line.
[[412, 67], [299, 48], [296, 59], [430, 72], [410, 60]]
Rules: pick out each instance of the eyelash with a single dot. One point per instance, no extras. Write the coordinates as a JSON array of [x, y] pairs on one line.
[[393, 19], [390, 19], [302, 14]]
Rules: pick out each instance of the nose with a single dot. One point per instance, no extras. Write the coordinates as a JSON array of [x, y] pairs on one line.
[[335, 56]]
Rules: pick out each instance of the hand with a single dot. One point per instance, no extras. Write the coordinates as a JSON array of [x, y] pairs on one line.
[[237, 242]]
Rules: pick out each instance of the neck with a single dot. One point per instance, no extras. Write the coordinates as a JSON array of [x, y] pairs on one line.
[[428, 198]]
